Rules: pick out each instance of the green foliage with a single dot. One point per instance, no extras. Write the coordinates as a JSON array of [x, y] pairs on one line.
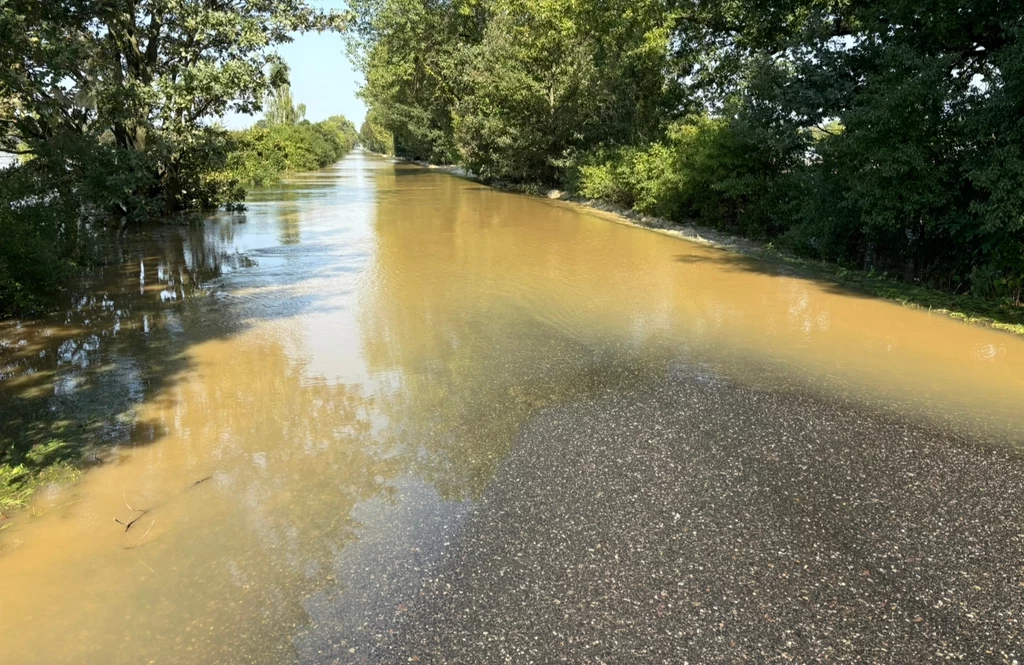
[[109, 103], [881, 134], [923, 179], [41, 465], [414, 55], [551, 78], [280, 108], [375, 137], [33, 266], [49, 212], [511, 89], [146, 73], [708, 170], [261, 154]]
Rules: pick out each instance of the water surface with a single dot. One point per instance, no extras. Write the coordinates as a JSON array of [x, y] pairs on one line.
[[300, 405]]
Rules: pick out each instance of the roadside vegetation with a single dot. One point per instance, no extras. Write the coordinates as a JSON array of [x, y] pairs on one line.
[[260, 155], [883, 138], [111, 109], [284, 141]]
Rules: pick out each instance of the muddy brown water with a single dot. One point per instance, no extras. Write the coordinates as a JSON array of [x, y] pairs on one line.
[[300, 403]]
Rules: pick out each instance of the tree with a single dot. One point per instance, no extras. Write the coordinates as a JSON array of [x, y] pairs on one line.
[[413, 54], [280, 109], [147, 73], [925, 177], [374, 136], [550, 78], [511, 88]]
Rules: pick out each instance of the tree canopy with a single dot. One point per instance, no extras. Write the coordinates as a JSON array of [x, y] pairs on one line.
[[142, 75], [885, 134]]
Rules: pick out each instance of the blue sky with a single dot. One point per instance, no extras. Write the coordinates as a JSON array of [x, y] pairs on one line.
[[322, 77]]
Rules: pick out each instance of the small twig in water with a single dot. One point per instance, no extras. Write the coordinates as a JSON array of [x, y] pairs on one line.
[[63, 505], [146, 565], [142, 537], [128, 525], [201, 480]]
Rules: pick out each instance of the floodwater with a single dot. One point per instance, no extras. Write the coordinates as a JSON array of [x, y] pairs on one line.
[[295, 408]]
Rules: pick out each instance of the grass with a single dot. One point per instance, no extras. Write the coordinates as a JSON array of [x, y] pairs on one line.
[[18, 483], [24, 472]]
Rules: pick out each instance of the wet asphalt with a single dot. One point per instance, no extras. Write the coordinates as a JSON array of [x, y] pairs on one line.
[[702, 522]]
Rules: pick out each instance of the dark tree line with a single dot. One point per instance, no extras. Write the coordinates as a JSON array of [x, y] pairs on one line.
[[882, 134]]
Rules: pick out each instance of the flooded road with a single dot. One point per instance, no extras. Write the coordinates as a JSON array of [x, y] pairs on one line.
[[387, 414]]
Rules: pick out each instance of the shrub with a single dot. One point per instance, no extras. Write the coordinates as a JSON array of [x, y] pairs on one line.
[[261, 154], [706, 170]]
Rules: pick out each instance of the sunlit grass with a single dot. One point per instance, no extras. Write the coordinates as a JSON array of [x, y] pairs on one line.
[[43, 465]]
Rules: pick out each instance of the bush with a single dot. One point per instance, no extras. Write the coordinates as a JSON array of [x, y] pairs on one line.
[[32, 269], [707, 170], [261, 154]]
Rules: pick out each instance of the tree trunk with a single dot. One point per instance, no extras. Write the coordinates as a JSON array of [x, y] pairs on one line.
[[171, 186]]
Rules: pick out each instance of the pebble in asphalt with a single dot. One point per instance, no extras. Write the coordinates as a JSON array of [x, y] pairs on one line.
[[702, 522]]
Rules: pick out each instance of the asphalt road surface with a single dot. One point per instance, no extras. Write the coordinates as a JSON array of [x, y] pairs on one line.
[[702, 522]]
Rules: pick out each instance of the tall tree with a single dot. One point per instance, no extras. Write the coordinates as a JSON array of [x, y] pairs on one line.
[[280, 107], [552, 77], [414, 55], [511, 87], [905, 114]]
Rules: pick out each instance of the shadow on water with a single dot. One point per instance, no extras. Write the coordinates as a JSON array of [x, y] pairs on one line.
[[303, 490], [71, 384], [857, 284]]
